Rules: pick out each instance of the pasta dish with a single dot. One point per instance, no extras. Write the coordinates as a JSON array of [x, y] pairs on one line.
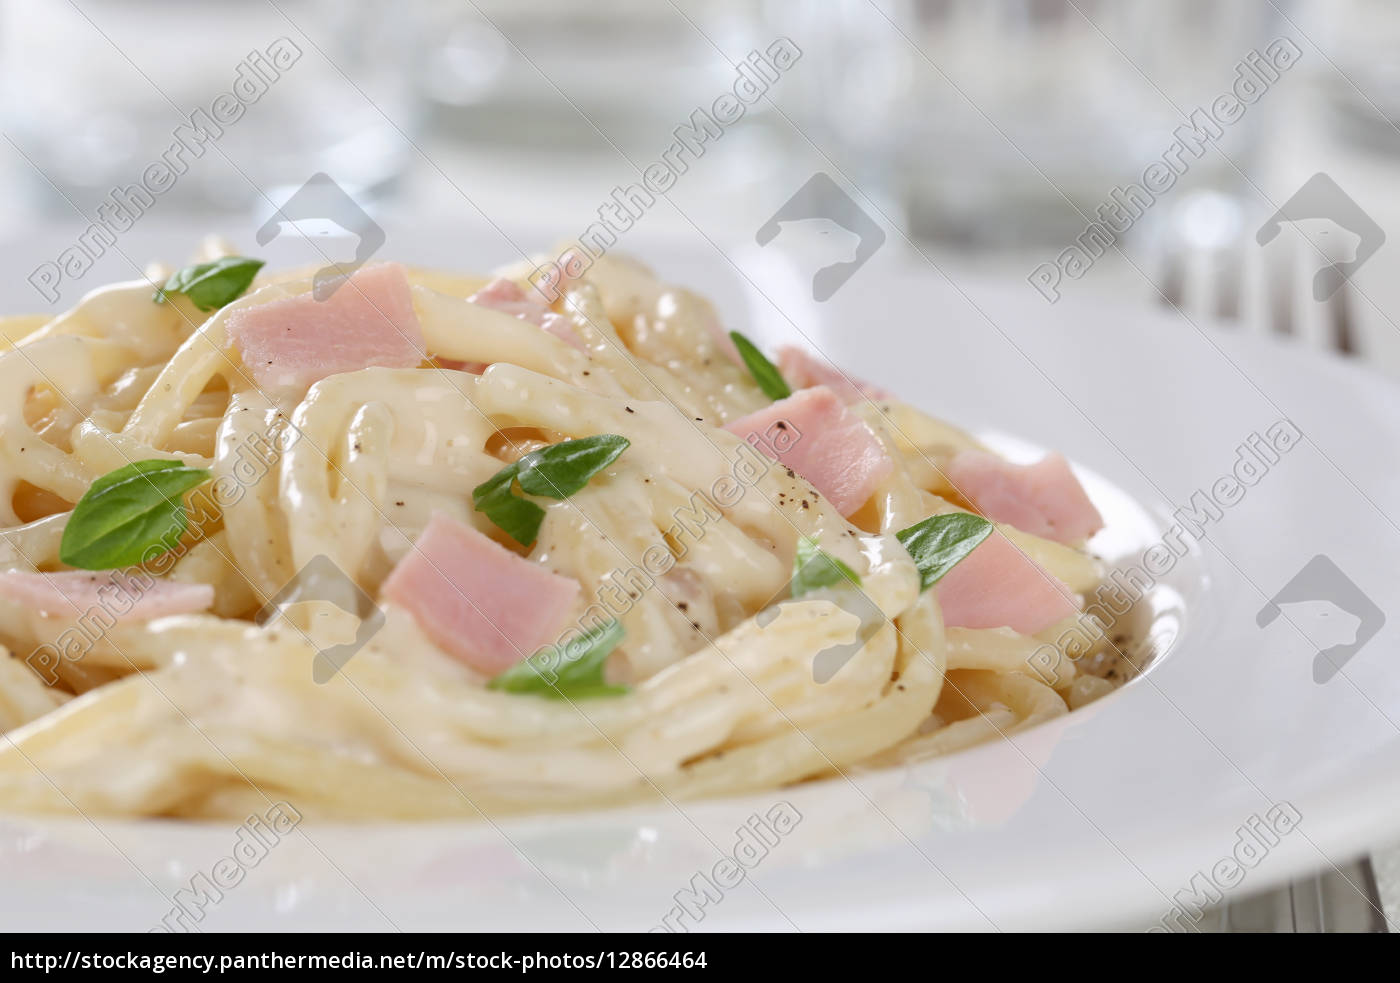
[[402, 544]]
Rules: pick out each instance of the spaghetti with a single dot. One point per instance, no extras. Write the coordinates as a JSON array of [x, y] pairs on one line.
[[686, 540]]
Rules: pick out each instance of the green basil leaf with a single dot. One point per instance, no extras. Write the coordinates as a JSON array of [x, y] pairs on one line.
[[939, 543], [557, 471], [210, 286], [572, 671], [562, 469], [764, 372], [518, 517], [127, 512], [812, 569]]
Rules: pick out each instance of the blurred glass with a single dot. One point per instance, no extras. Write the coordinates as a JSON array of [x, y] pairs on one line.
[[543, 75], [1362, 95], [997, 122], [94, 91]]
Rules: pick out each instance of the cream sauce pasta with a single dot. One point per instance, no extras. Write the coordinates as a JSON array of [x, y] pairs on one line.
[[290, 642]]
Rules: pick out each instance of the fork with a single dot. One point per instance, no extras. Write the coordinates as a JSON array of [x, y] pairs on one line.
[[1268, 291], [1261, 290]]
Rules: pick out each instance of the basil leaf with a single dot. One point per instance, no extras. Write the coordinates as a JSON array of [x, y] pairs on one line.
[[557, 471], [812, 569], [939, 543], [764, 372], [210, 286], [519, 518], [561, 469], [573, 671], [127, 512]]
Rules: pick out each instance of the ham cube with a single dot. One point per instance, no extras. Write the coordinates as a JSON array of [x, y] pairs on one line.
[[507, 297], [801, 370], [368, 321], [1044, 499], [996, 585], [478, 601], [832, 448], [120, 596]]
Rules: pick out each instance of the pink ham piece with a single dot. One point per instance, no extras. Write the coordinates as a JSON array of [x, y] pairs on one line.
[[554, 278], [120, 596], [801, 370], [833, 448], [507, 297], [1044, 499], [996, 585], [368, 321], [477, 600]]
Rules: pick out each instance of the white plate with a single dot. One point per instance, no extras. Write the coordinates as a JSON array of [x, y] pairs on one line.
[[1096, 820]]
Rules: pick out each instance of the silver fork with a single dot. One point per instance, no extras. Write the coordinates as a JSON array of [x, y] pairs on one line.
[[1326, 902], [1262, 290], [1268, 291]]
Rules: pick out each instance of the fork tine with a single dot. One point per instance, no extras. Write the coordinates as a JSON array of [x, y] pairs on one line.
[[1341, 305], [1229, 277], [1172, 278], [1291, 285]]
